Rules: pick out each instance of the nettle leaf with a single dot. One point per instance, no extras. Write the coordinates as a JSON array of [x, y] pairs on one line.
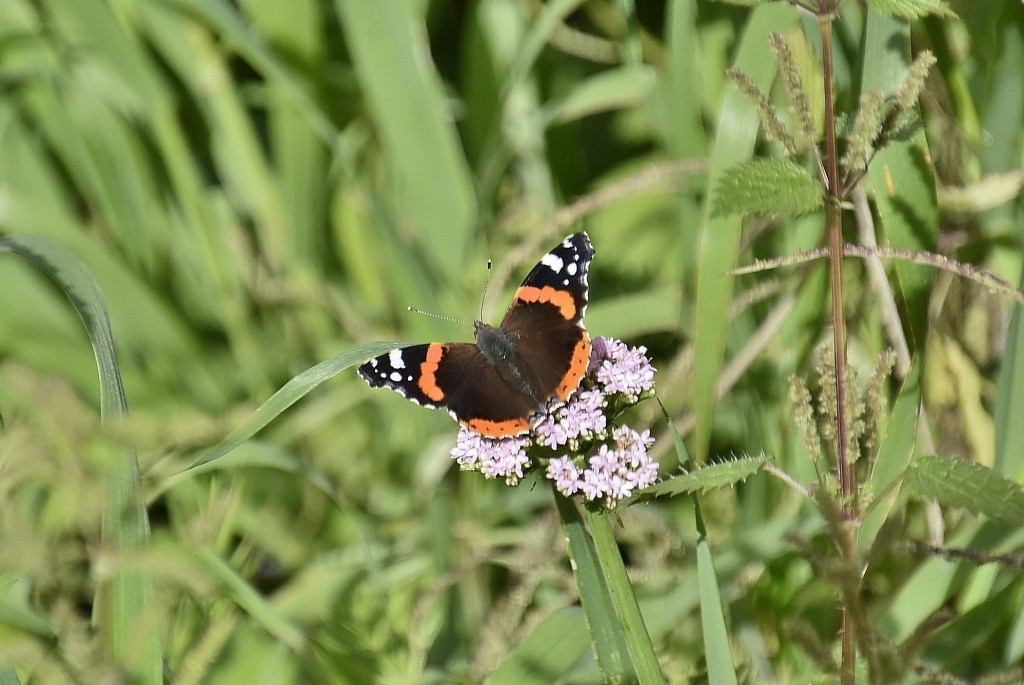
[[768, 186], [708, 477], [912, 9], [962, 483]]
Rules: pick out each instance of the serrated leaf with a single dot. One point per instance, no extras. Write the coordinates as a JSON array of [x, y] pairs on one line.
[[961, 483], [708, 477], [912, 9], [763, 186]]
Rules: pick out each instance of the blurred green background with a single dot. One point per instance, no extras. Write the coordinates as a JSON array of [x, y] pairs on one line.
[[260, 185]]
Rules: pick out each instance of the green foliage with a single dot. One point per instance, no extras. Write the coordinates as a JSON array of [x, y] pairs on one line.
[[912, 9], [123, 595], [763, 186], [548, 651], [708, 478], [619, 639], [958, 483], [237, 198]]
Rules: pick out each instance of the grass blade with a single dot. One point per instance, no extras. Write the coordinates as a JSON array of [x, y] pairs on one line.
[[719, 242], [290, 393], [122, 597], [717, 649], [408, 103], [631, 622], [272, 619], [74, 278], [901, 173], [606, 634], [894, 455], [1009, 456]]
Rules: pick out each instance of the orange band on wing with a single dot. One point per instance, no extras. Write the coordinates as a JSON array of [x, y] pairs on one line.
[[428, 373], [560, 298], [577, 367], [498, 429]]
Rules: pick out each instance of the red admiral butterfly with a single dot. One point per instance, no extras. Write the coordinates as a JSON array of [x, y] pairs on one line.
[[515, 373]]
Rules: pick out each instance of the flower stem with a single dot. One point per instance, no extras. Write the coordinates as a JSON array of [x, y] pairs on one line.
[[621, 642]]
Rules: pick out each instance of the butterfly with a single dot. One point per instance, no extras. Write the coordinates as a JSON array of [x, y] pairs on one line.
[[515, 373]]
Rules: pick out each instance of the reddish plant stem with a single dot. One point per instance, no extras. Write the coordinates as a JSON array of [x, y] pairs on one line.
[[835, 250]]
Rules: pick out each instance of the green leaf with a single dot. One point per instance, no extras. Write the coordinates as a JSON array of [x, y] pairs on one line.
[[1009, 457], [606, 634], [736, 133], [717, 649], [291, 392], [903, 177], [411, 113], [894, 454], [912, 9], [708, 478], [979, 489], [608, 90], [78, 283], [623, 600], [123, 597], [767, 186]]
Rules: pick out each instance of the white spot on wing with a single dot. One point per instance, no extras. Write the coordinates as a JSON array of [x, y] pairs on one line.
[[395, 359], [553, 262]]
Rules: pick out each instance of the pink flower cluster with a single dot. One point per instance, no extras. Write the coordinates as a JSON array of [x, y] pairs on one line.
[[582, 454]]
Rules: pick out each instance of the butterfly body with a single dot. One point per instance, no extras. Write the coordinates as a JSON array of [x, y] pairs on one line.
[[504, 383]]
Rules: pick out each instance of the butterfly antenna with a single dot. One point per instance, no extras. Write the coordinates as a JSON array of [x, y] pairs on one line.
[[483, 298], [453, 319], [442, 317]]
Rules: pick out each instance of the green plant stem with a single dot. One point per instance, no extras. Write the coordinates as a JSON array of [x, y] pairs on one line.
[[620, 639], [835, 243], [638, 640]]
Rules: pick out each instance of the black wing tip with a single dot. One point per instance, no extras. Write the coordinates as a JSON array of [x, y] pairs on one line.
[[582, 239], [368, 372]]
